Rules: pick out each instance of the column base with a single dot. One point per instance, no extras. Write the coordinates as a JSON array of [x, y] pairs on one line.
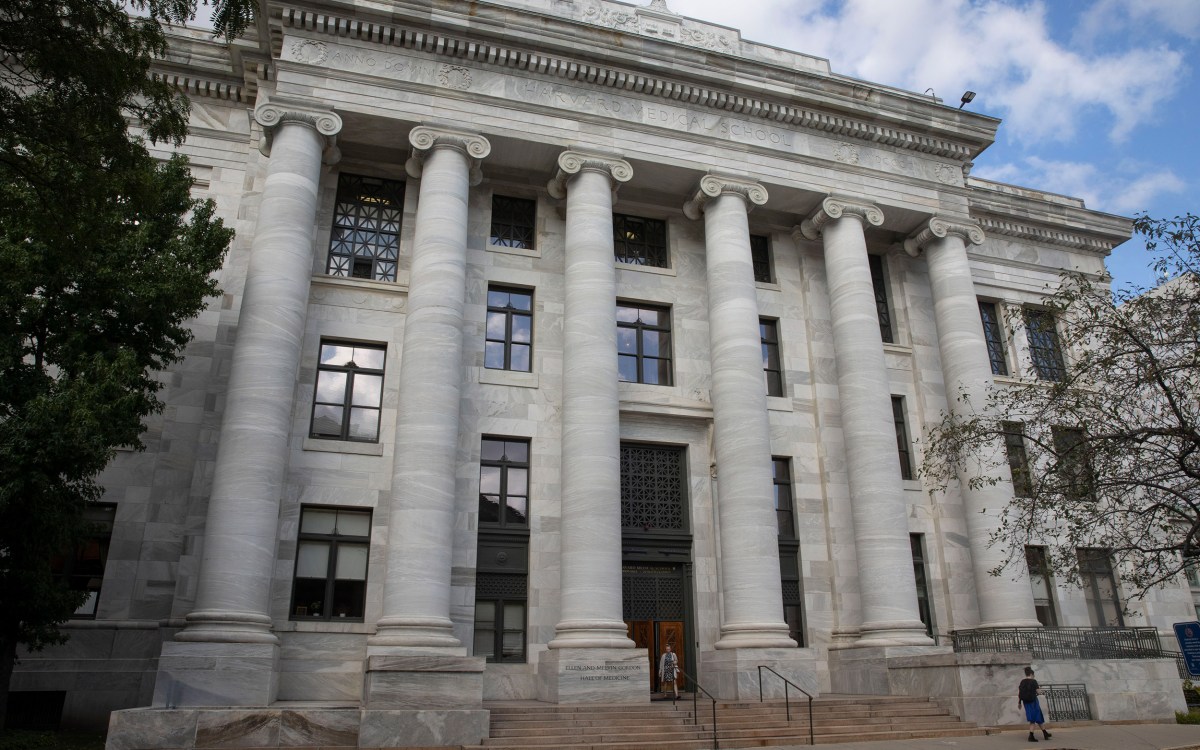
[[594, 675], [216, 674], [414, 682], [431, 634], [733, 674], [863, 670], [894, 633], [755, 635]]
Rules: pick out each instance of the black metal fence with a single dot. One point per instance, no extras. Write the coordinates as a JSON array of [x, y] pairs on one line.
[[1063, 643], [1067, 702]]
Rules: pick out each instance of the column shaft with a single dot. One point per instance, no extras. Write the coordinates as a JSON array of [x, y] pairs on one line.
[[233, 593], [1004, 601], [417, 591], [750, 583], [591, 614], [885, 569]]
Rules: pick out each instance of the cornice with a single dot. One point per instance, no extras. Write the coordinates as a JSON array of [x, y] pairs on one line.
[[506, 55], [1047, 236], [200, 85]]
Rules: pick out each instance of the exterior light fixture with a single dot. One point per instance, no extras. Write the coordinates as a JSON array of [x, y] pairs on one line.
[[966, 98]]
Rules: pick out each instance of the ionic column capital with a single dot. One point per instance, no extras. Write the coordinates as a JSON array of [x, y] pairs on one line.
[[835, 207], [425, 138], [277, 112], [571, 163], [714, 185], [938, 228]]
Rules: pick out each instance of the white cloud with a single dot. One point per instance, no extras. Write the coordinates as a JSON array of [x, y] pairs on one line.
[[1000, 48], [1125, 189]]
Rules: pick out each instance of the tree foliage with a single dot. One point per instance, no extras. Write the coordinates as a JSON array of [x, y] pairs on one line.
[[1112, 451], [104, 256]]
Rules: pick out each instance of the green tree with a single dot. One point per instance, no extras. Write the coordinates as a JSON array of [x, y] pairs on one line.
[[104, 257], [1111, 451]]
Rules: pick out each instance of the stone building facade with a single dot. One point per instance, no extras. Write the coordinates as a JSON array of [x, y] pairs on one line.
[[555, 331]]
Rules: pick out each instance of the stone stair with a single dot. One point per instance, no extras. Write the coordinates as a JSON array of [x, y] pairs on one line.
[[666, 725]]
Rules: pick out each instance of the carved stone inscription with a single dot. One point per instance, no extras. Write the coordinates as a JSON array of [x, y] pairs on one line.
[[603, 672]]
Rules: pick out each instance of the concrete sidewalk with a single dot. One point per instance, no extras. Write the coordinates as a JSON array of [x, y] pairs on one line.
[[1089, 737]]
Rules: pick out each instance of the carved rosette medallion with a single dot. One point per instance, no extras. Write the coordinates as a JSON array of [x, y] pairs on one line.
[[833, 208], [271, 115], [938, 228], [571, 163], [713, 186], [454, 77], [948, 175], [845, 153], [309, 52], [425, 138]]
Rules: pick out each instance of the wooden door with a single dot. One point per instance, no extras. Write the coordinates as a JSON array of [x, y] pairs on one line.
[[670, 632]]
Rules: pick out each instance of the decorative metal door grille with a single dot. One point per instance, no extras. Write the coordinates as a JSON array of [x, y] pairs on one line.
[[650, 594], [651, 487], [1067, 702], [365, 240]]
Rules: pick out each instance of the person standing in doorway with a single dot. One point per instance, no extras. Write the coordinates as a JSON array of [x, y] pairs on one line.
[[668, 669], [1027, 697]]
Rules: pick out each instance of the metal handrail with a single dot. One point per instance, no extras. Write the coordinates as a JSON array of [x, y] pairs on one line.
[[696, 710], [787, 704], [1063, 642]]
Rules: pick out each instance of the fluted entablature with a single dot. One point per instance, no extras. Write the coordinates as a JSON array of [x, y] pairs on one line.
[[274, 113], [425, 138], [835, 207], [937, 228], [571, 163], [713, 186]]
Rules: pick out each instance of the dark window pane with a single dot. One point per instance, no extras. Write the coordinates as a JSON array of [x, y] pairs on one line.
[[994, 337], [504, 482], [640, 241], [1044, 347], [348, 376], [644, 344], [760, 256], [366, 227], [332, 557], [879, 282], [509, 330], [902, 443], [513, 221]]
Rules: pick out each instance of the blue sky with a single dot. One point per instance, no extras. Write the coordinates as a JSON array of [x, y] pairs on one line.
[[1100, 98]]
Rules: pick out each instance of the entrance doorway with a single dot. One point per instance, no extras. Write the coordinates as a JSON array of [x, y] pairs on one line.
[[656, 614]]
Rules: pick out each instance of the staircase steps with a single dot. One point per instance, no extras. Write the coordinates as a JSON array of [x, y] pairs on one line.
[[667, 725]]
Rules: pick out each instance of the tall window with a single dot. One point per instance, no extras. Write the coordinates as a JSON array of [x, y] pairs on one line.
[[768, 332], [365, 241], [644, 344], [793, 598], [1018, 459], [1043, 586], [1044, 346], [1073, 462], [500, 617], [83, 568], [349, 394], [781, 471], [504, 482], [920, 571], [639, 241], [879, 283], [902, 444], [513, 221], [1100, 588], [331, 564], [509, 329], [760, 256], [994, 336]]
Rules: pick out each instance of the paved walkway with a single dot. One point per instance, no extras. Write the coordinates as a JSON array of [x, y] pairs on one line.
[[1090, 737]]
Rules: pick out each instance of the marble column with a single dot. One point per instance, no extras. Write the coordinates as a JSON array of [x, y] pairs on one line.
[[231, 619], [887, 583], [749, 532], [1004, 600], [591, 444], [416, 604], [591, 632]]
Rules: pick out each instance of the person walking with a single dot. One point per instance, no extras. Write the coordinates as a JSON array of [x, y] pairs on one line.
[[668, 669], [1027, 697]]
